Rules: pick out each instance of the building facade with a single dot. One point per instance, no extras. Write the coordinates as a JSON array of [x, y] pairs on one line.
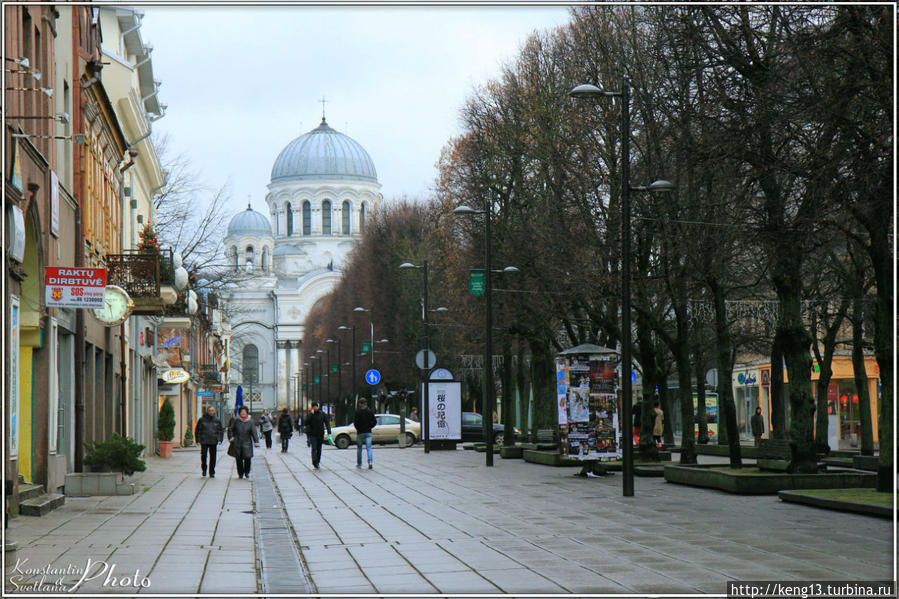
[[323, 184]]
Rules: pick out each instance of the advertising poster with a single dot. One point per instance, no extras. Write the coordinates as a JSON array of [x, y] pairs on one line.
[[445, 410], [592, 401], [562, 391]]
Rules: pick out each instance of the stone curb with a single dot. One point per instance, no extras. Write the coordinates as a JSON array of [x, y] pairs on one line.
[[858, 507]]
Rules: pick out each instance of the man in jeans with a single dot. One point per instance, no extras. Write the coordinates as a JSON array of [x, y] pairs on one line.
[[209, 433], [364, 421], [316, 423]]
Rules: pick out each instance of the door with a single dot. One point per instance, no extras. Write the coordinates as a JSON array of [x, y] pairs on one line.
[[387, 429]]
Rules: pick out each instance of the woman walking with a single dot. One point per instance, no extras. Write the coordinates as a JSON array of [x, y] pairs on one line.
[[285, 429], [266, 424], [243, 438]]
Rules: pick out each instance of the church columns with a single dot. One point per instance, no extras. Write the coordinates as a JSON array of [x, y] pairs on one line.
[[288, 365], [283, 356]]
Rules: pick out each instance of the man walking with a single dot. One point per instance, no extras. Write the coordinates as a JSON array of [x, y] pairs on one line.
[[364, 421], [757, 422], [285, 429], [209, 433], [316, 423]]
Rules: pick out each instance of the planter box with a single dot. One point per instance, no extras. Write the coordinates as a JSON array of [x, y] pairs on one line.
[[85, 484], [549, 458], [510, 452], [765, 483]]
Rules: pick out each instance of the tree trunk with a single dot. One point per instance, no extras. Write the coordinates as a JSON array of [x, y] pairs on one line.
[[647, 449], [861, 379], [727, 414], [701, 415], [685, 397], [508, 383], [796, 345], [521, 382], [821, 420], [543, 380], [665, 399], [778, 420]]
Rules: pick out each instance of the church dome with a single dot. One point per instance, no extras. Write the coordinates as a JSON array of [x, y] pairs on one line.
[[324, 153], [249, 222]]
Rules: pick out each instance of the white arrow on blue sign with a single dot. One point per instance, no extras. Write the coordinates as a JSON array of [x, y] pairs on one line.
[[372, 377]]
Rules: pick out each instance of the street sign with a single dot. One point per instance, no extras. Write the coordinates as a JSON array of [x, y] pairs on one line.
[[305, 386], [317, 379], [420, 359], [334, 368], [477, 281], [366, 347], [372, 377], [204, 393]]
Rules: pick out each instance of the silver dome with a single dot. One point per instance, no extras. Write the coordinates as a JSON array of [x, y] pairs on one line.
[[324, 153], [249, 222]]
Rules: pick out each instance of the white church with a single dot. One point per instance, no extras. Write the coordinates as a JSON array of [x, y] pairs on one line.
[[323, 184]]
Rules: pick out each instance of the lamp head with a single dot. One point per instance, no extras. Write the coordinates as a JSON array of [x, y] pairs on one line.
[[586, 91], [464, 210], [407, 265], [329, 341], [511, 269], [359, 309], [343, 327], [662, 186], [440, 309]]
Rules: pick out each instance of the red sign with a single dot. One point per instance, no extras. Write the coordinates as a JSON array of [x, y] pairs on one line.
[[74, 287], [766, 378]]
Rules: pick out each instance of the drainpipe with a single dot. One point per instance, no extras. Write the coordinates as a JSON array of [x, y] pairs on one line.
[[130, 155]]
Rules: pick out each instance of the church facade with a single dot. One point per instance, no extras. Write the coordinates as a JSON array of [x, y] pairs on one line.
[[323, 184]]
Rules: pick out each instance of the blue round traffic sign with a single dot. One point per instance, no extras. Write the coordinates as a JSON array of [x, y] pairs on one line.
[[372, 377]]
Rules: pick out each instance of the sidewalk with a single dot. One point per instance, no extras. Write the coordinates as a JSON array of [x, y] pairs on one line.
[[438, 523]]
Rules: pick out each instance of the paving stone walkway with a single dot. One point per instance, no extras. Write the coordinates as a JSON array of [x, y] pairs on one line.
[[435, 523]]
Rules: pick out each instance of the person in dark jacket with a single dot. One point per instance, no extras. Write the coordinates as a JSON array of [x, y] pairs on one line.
[[757, 422], [285, 429], [316, 423], [266, 424], [364, 421], [242, 433], [209, 433]]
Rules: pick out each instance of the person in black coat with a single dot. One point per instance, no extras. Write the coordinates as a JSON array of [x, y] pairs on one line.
[[285, 429], [242, 434], [209, 433], [364, 421], [316, 423]]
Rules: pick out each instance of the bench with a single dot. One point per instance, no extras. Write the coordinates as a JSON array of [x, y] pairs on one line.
[[774, 454], [546, 439]]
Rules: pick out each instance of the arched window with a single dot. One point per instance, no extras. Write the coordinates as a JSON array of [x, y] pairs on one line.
[[307, 218], [362, 215], [233, 255], [249, 258], [326, 217], [345, 217], [265, 258], [289, 219], [250, 364]]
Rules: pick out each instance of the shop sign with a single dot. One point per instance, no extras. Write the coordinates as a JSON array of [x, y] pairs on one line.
[[477, 281], [54, 204], [175, 375], [13, 376], [16, 234], [766, 378], [74, 287], [15, 175], [746, 378]]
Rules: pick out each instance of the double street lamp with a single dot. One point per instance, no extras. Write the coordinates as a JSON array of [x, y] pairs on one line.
[[489, 391], [588, 91], [339, 364], [426, 412], [343, 329]]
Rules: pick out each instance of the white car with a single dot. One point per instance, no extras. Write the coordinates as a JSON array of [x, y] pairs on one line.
[[387, 430]]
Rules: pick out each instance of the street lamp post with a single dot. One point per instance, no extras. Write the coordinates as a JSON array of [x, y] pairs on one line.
[[320, 358], [305, 396], [589, 91], [425, 310], [371, 323], [339, 364], [489, 399], [353, 328]]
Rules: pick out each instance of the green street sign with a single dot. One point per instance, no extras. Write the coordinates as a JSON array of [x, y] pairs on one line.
[[477, 281], [334, 368], [305, 386], [318, 379], [366, 347]]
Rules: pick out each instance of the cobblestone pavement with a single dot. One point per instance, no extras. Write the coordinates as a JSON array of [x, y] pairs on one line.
[[436, 523]]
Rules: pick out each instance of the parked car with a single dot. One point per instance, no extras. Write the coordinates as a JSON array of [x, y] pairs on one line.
[[473, 429], [387, 430]]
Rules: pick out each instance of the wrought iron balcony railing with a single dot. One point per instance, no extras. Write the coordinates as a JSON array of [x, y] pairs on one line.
[[141, 273], [209, 373]]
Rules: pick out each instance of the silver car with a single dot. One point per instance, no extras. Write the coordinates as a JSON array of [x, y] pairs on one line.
[[387, 430]]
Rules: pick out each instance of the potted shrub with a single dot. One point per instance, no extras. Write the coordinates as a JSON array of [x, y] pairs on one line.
[[109, 462], [188, 437], [165, 428]]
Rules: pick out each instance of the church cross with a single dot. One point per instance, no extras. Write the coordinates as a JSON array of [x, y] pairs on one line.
[[323, 100]]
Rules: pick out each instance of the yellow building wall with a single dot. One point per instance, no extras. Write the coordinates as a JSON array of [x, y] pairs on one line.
[[25, 417]]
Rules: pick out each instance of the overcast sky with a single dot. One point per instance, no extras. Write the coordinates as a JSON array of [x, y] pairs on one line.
[[243, 82]]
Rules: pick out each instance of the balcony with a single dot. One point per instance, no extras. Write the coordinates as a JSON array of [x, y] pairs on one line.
[[149, 279], [209, 373]]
